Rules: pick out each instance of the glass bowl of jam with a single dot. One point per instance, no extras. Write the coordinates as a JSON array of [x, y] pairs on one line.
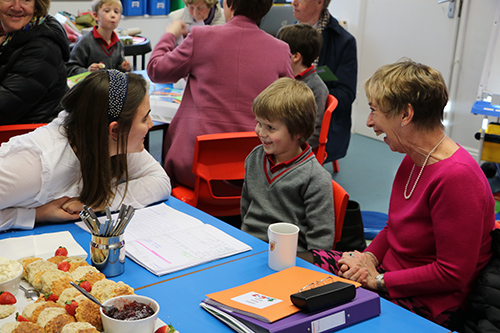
[[134, 313]]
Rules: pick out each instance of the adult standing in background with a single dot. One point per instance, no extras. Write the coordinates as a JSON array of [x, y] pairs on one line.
[[33, 52], [227, 67], [339, 54]]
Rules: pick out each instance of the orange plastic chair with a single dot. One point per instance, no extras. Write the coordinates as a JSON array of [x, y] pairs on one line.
[[331, 104], [340, 200], [8, 131], [219, 166]]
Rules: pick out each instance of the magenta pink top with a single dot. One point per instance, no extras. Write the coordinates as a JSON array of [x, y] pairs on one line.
[[435, 243]]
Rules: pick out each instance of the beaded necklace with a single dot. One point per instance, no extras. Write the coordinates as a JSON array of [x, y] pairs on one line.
[[408, 196]]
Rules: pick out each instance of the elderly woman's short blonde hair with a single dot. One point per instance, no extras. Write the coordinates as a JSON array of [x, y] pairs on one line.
[[209, 3], [393, 87]]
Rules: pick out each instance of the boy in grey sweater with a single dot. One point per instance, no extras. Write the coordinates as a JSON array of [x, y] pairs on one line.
[[283, 180]]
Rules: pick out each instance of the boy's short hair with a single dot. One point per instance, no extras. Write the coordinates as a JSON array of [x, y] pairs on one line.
[[304, 39], [291, 102], [97, 4]]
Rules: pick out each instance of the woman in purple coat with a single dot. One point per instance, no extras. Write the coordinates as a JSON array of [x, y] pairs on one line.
[[226, 67]]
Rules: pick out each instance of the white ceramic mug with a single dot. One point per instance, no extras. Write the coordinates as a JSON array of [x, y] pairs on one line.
[[283, 238]]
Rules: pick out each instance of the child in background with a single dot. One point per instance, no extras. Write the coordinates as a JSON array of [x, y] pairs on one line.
[[283, 180], [100, 48], [305, 45]]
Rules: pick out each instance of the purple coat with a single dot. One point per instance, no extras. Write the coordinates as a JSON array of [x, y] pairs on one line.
[[227, 67]]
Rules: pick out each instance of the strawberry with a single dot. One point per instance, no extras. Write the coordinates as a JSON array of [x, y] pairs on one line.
[[61, 251], [85, 285], [20, 318], [64, 266], [50, 297], [7, 298], [71, 307], [165, 329]]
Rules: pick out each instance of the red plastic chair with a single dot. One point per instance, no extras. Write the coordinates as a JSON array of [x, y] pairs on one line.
[[340, 200], [219, 166], [8, 131], [331, 104]]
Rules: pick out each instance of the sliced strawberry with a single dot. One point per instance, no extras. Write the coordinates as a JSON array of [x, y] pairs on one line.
[[71, 307], [7, 298], [20, 318], [165, 329], [64, 266], [50, 297], [85, 285]]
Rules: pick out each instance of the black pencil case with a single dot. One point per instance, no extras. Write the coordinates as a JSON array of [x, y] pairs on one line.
[[326, 296]]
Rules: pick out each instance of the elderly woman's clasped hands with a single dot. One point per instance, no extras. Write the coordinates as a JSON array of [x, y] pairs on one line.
[[359, 267]]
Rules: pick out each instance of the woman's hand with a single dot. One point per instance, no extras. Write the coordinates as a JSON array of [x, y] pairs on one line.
[[54, 212], [359, 267], [177, 28]]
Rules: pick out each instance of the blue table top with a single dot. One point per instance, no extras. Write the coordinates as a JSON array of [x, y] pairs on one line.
[[179, 294]]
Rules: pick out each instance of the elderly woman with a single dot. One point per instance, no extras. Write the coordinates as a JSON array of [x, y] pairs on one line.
[[223, 78], [437, 238], [201, 12], [33, 52]]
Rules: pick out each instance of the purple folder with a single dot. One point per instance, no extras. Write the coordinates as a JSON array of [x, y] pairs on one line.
[[365, 305]]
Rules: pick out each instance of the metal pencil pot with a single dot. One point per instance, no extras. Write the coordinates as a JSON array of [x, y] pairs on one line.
[[108, 254]]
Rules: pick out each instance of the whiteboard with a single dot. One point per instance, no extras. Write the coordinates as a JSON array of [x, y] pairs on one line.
[[490, 78]]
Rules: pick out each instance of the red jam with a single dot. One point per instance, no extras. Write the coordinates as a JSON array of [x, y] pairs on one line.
[[132, 311]]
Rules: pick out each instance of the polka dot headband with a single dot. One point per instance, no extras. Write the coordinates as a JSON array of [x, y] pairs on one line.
[[118, 89]]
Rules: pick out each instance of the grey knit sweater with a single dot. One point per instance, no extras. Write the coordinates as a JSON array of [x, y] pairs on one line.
[[301, 194]]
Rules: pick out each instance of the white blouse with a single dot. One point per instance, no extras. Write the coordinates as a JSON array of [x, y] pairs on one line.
[[39, 167]]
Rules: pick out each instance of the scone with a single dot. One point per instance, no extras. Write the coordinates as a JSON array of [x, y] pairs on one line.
[[75, 262], [67, 295], [6, 310], [117, 289], [20, 327], [28, 309], [56, 324], [88, 311], [39, 309], [57, 259], [99, 287], [55, 281], [79, 328], [88, 273], [35, 270], [54, 319], [25, 262]]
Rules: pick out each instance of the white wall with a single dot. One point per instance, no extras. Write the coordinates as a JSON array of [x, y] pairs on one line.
[[478, 22]]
